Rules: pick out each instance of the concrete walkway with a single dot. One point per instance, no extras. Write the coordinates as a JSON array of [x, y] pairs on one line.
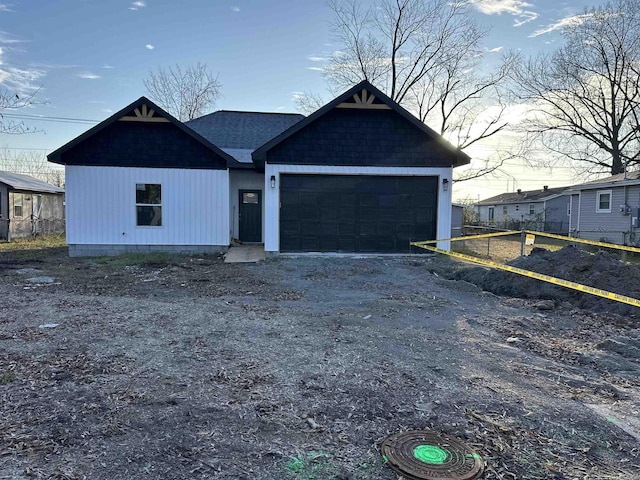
[[245, 254]]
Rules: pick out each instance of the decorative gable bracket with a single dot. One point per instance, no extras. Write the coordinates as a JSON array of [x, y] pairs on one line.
[[364, 100], [143, 114]]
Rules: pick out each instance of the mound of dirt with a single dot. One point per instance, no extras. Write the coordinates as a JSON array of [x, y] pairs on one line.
[[600, 270]]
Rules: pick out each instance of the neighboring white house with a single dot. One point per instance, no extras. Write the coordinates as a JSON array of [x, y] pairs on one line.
[[546, 209], [361, 174]]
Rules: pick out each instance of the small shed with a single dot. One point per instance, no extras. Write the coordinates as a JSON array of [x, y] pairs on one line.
[[29, 207]]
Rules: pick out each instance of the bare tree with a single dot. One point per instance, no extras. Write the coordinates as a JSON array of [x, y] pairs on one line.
[[14, 101], [33, 163], [308, 102], [585, 96], [184, 93], [426, 55]]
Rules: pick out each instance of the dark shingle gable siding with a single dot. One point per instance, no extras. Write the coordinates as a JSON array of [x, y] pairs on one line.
[[140, 144], [361, 138]]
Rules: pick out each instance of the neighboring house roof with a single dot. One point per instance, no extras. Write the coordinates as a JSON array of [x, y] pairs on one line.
[[240, 133], [524, 197], [619, 180], [259, 156], [18, 181], [56, 156]]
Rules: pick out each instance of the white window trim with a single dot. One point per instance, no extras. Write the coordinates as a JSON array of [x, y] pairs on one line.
[[149, 205], [598, 194], [534, 209]]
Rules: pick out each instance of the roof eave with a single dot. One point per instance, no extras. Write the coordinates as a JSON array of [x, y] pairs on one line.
[[260, 154], [55, 156]]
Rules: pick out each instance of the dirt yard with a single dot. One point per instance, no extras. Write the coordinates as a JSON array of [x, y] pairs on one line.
[[298, 368]]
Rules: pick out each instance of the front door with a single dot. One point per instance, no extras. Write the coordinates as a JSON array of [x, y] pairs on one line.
[[250, 216]]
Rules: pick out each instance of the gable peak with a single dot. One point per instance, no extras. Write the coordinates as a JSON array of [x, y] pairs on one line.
[[143, 113], [364, 99]]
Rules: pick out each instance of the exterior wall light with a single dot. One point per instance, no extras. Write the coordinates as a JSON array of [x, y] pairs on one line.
[[272, 181], [445, 184]]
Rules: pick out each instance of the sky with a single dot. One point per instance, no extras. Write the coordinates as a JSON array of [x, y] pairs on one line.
[[88, 59]]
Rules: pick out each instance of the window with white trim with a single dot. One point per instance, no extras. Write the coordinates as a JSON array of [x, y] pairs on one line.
[[603, 201], [505, 210], [148, 204], [532, 209]]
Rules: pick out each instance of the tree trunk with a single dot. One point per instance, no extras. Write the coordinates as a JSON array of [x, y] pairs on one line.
[[616, 164]]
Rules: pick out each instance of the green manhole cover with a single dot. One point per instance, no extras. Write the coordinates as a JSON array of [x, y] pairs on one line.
[[427, 455]]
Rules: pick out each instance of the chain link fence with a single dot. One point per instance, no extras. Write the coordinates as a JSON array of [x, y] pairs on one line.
[[508, 247]]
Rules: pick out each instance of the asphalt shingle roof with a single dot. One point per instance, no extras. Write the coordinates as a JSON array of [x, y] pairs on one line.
[[529, 196], [620, 178], [18, 181], [240, 133]]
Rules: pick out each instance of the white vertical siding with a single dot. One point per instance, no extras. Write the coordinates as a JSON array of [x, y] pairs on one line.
[[272, 195], [101, 206]]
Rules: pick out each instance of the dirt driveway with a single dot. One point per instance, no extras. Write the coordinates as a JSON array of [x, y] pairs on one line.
[[298, 368]]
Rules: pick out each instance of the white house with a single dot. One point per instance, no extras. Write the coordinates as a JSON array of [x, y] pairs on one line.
[[361, 174]]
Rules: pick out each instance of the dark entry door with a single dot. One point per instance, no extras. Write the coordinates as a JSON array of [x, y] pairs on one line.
[[250, 216]]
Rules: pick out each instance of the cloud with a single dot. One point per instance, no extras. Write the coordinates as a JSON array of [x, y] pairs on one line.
[[525, 17], [317, 58], [235, 9], [562, 23], [7, 38], [5, 7], [108, 67], [88, 75], [148, 46], [517, 8], [137, 5], [21, 80], [495, 50], [316, 69]]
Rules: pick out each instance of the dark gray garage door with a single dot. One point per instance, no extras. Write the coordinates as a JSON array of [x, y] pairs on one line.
[[349, 213]]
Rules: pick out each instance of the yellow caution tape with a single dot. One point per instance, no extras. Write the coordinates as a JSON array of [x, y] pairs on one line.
[[588, 242], [538, 276], [469, 237]]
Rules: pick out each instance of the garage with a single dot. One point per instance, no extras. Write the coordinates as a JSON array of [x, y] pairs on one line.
[[356, 213]]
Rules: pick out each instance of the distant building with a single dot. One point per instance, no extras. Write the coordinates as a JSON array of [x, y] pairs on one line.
[[546, 210], [607, 209], [29, 207]]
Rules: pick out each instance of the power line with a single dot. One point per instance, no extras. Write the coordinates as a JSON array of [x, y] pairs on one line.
[[26, 148], [45, 118]]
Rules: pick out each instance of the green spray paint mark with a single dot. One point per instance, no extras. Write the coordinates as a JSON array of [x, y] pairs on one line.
[[295, 466], [430, 454]]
